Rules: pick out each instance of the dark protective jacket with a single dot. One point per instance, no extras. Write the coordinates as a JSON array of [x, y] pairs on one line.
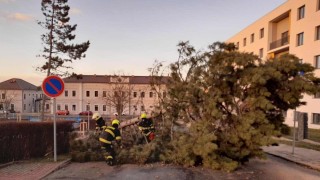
[[109, 134], [100, 124], [146, 126]]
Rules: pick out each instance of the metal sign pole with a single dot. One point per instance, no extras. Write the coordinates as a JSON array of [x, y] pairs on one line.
[[294, 129], [54, 131], [53, 86]]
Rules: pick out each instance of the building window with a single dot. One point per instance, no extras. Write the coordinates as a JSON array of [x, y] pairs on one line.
[[95, 93], [104, 93], [3, 96], [74, 93], [58, 107], [164, 94], [88, 93], [47, 106], [66, 93], [11, 106], [300, 39], [301, 12], [150, 94], [24, 96], [74, 107], [261, 52], [315, 118], [88, 107], [318, 33], [252, 38], [96, 107], [261, 33], [244, 41], [317, 62], [134, 94], [66, 107], [301, 61], [284, 38], [142, 94], [142, 108], [104, 107], [24, 106]]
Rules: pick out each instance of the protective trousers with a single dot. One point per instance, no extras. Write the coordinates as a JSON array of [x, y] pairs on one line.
[[108, 153]]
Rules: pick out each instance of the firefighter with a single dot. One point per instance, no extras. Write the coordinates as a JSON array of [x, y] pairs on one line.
[[109, 134], [146, 127], [100, 123]]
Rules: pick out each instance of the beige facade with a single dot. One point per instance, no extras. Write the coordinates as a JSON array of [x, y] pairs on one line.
[[90, 93], [19, 95], [293, 27]]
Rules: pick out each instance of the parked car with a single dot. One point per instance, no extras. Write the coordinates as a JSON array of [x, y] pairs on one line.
[[86, 113], [63, 112]]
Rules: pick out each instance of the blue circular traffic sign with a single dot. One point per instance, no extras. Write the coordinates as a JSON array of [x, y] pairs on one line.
[[53, 86]]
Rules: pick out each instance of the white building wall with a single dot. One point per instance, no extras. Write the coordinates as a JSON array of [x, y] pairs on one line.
[[80, 100]]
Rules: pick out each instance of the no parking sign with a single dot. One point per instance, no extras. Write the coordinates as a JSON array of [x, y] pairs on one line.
[[53, 86]]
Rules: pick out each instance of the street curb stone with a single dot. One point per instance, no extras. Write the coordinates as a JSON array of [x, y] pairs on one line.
[[59, 166]]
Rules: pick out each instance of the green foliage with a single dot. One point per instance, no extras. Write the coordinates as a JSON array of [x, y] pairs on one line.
[[141, 154], [237, 96], [84, 150], [57, 50], [285, 129]]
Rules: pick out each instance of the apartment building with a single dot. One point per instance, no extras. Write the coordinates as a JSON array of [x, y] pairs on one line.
[[293, 27], [94, 93], [19, 96]]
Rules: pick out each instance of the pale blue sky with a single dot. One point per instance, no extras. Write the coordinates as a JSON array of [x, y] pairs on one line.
[[126, 35]]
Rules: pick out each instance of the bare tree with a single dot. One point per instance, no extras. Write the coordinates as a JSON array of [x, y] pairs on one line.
[[6, 100], [119, 98]]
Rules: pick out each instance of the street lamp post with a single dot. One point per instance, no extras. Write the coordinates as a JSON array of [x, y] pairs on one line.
[[294, 130]]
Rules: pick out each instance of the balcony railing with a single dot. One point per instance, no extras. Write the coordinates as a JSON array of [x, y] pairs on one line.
[[279, 42]]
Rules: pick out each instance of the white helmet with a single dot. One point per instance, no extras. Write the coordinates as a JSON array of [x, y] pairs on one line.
[[96, 116]]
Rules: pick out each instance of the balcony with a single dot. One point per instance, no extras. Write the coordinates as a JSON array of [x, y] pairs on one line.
[[280, 42]]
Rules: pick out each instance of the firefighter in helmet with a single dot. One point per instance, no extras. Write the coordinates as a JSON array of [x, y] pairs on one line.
[[109, 134], [100, 123], [146, 127]]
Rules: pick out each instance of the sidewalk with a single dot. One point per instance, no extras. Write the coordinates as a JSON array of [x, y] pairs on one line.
[[29, 170], [302, 156]]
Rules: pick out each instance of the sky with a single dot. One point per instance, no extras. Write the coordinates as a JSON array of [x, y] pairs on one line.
[[126, 36]]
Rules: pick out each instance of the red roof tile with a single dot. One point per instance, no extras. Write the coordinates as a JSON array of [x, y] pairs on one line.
[[17, 84], [108, 79]]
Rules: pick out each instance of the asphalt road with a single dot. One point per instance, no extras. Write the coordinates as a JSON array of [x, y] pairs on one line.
[[271, 169]]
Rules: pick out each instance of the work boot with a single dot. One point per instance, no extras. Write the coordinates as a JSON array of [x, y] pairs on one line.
[[109, 162]]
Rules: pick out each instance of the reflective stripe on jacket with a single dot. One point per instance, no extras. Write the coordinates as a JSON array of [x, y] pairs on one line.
[[109, 134]]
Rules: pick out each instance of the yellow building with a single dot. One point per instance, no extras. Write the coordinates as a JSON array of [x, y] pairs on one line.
[[293, 27]]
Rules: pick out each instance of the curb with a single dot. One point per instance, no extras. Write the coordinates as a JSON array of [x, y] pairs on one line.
[[59, 166], [297, 162], [9, 163]]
